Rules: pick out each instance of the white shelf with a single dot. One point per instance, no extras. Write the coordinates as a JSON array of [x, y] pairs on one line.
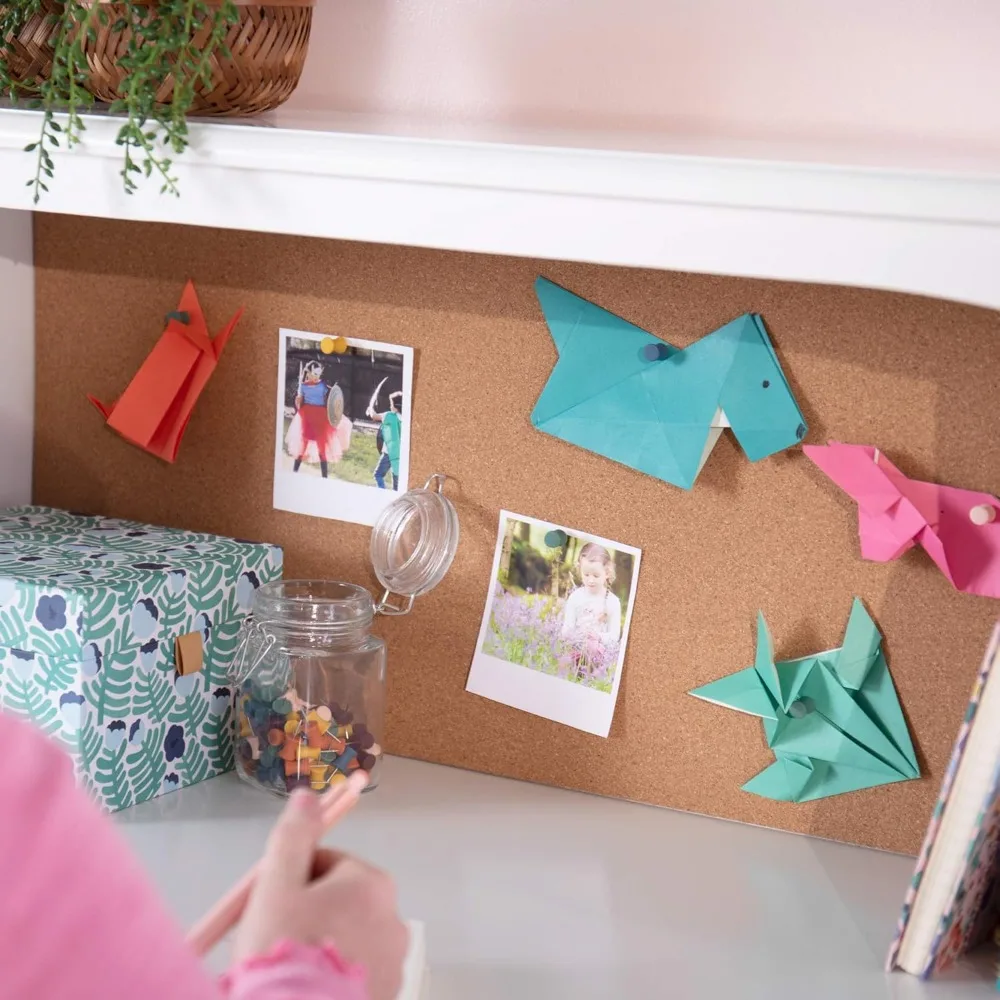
[[902, 219]]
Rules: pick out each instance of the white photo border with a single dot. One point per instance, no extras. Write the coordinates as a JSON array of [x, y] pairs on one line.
[[531, 690], [335, 499]]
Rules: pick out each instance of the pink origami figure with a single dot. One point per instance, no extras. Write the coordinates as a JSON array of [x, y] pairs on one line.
[[958, 529]]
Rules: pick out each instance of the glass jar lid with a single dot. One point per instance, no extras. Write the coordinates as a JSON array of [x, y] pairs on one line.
[[413, 544], [314, 604]]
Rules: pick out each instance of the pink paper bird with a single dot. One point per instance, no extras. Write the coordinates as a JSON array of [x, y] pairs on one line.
[[958, 529]]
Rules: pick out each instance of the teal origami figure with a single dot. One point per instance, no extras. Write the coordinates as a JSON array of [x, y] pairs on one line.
[[625, 394], [832, 719]]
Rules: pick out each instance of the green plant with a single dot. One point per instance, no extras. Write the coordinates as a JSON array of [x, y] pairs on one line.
[[164, 39]]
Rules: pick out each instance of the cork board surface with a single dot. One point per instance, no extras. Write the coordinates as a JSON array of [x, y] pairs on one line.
[[917, 377]]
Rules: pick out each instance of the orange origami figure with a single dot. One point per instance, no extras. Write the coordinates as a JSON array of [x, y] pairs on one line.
[[155, 407]]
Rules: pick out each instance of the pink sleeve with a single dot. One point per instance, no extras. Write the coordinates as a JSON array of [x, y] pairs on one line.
[[78, 918], [293, 971]]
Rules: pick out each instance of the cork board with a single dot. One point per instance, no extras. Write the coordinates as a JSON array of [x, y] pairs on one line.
[[915, 376]]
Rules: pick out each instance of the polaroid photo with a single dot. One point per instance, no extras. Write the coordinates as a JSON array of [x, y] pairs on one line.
[[553, 635], [342, 432]]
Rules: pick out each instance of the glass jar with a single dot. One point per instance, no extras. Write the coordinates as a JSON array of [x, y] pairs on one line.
[[309, 681]]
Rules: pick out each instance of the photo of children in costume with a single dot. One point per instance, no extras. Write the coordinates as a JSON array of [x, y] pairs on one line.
[[342, 442], [311, 435], [388, 439]]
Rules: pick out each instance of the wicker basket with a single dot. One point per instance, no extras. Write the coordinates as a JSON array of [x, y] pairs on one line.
[[268, 48], [29, 54]]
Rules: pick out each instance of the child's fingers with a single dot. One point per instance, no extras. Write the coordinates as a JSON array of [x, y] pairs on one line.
[[288, 860]]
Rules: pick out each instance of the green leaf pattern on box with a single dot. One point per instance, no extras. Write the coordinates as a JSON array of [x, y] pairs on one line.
[[89, 610]]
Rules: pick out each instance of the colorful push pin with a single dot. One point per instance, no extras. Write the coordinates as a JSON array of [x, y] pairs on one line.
[[293, 699], [323, 713], [654, 352], [333, 345], [343, 762], [983, 513], [555, 539], [800, 709]]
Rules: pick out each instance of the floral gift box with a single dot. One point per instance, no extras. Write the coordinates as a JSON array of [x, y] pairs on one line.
[[91, 609]]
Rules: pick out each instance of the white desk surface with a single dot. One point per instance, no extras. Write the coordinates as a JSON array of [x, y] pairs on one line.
[[539, 894]]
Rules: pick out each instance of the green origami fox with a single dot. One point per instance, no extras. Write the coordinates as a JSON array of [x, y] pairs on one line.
[[833, 719]]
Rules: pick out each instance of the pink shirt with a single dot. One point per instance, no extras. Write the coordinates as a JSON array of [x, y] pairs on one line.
[[79, 919]]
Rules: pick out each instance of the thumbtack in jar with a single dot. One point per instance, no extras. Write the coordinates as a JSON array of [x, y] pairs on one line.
[[309, 684]]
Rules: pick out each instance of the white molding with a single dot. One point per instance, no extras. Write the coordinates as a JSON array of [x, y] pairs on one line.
[[17, 357], [905, 228]]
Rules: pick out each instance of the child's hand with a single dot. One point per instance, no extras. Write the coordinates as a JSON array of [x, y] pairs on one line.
[[314, 895]]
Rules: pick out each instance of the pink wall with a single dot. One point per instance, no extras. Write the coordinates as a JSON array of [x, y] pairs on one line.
[[923, 71]]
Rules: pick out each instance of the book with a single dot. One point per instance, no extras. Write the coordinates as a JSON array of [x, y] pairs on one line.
[[952, 904], [416, 979]]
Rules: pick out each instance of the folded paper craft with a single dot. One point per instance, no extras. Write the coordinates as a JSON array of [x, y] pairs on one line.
[[959, 529], [623, 393], [155, 407], [832, 719]]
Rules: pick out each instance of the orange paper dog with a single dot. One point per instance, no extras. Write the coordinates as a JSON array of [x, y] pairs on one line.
[[155, 407]]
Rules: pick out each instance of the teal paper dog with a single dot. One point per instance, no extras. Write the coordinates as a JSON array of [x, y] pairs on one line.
[[832, 719], [623, 393]]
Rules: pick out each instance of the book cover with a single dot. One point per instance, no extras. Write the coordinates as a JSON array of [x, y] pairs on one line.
[[972, 912]]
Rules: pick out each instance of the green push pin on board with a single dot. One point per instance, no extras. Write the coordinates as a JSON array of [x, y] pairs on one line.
[[555, 539]]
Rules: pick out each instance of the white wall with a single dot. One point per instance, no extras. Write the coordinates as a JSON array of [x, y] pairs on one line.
[[17, 357], [899, 71]]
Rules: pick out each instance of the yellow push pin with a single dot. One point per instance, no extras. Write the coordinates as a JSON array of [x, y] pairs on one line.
[[328, 345], [339, 345]]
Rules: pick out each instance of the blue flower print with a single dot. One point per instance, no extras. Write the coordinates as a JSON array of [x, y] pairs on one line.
[[71, 710], [115, 735], [147, 655], [136, 731], [176, 581], [220, 701], [184, 684], [8, 590], [171, 782], [90, 660], [246, 587], [51, 612], [145, 615], [173, 744], [134, 534], [79, 624], [149, 565], [24, 663], [204, 625]]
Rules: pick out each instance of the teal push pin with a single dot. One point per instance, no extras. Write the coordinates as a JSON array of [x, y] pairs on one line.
[[654, 352], [555, 539], [801, 708]]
